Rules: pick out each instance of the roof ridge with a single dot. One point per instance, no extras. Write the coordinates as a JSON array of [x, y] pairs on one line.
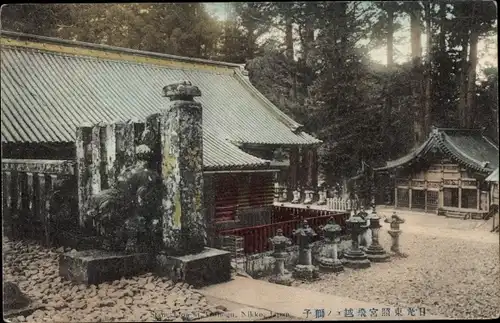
[[489, 141], [13, 34], [14, 47]]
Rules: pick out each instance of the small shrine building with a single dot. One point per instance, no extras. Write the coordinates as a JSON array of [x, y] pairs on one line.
[[446, 174]]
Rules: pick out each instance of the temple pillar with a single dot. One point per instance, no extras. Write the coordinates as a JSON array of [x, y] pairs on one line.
[[395, 196], [479, 197], [293, 170], [409, 196], [459, 193], [309, 174]]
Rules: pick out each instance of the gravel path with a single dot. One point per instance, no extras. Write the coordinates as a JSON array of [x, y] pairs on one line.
[[451, 276], [142, 298]]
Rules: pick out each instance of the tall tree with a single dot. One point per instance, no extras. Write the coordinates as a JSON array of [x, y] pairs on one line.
[[414, 10], [38, 19]]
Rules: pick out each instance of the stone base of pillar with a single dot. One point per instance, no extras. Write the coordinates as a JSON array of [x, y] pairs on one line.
[[356, 259], [283, 279], [97, 266], [375, 253], [211, 266], [330, 265], [305, 272]]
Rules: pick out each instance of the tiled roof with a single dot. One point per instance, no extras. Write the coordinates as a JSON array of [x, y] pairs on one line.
[[49, 88], [493, 176], [468, 147]]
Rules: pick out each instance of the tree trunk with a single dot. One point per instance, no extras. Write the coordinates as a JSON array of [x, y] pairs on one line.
[[442, 34], [416, 53], [289, 53], [462, 104], [390, 37], [390, 64], [251, 42], [471, 80], [428, 70]]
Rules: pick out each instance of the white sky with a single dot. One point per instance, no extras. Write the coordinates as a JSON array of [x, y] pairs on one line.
[[487, 48]]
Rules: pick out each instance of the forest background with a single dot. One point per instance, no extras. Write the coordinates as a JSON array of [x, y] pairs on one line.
[[370, 79]]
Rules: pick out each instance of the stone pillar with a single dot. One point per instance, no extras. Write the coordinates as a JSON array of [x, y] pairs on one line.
[[184, 226], [305, 269], [185, 256]]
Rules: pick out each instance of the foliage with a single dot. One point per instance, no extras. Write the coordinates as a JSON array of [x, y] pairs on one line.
[[128, 215], [362, 111]]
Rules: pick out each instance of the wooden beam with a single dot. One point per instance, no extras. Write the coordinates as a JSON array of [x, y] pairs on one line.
[[63, 167], [294, 166]]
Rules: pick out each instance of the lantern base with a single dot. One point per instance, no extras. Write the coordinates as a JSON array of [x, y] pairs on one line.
[[330, 265], [375, 253], [356, 259], [283, 279], [305, 272]]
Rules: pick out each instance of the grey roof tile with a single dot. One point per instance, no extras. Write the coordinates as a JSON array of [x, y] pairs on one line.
[[46, 95], [467, 146]]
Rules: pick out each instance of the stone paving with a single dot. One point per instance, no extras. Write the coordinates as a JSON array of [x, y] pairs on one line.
[[141, 298]]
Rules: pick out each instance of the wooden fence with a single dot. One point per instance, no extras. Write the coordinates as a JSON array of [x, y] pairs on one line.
[[340, 204], [256, 238], [27, 187]]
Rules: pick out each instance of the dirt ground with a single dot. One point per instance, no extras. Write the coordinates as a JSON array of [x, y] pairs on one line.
[[452, 269]]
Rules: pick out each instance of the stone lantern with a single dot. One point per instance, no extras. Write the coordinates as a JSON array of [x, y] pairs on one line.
[[395, 232], [330, 262], [364, 237], [280, 275], [296, 196], [375, 252], [355, 257], [321, 197], [305, 269]]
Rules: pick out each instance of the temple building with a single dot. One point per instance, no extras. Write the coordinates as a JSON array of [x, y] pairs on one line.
[[446, 174], [51, 86]]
